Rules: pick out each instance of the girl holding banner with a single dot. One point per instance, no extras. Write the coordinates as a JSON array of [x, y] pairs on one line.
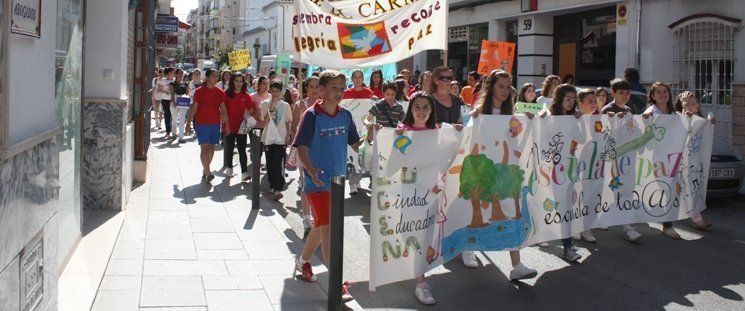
[[496, 100], [661, 102], [686, 103], [564, 103], [357, 91], [420, 116]]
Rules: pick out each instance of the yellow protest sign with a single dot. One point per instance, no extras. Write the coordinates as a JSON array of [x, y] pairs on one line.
[[239, 59]]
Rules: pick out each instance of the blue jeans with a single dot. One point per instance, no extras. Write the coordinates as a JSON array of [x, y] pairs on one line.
[[567, 243]]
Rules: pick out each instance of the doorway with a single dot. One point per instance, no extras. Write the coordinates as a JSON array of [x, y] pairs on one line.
[[585, 46]]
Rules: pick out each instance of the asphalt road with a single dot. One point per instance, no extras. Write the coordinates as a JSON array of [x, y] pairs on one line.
[[705, 270]]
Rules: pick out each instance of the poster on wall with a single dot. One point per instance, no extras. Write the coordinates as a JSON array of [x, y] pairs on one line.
[[506, 182], [25, 18], [358, 34]]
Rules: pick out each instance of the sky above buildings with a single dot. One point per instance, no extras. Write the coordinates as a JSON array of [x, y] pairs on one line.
[[182, 8]]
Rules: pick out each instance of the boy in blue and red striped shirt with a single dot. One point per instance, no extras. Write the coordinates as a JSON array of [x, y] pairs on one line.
[[322, 138]]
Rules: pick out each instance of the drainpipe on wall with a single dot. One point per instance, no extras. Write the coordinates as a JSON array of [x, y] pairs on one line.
[[638, 34]]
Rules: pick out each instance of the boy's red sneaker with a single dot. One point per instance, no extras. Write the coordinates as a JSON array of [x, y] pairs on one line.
[[306, 271]]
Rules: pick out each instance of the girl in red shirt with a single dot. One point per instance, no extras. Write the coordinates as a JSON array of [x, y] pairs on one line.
[[239, 102], [376, 83], [358, 90]]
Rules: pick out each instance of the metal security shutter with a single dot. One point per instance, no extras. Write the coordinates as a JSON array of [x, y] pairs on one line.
[[704, 56]]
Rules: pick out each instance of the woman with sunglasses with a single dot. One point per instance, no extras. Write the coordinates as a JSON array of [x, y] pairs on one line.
[[447, 106]]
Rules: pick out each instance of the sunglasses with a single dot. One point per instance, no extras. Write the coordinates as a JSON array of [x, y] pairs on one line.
[[445, 78]]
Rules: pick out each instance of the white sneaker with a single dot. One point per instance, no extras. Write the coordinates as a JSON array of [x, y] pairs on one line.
[[543, 244], [424, 294], [469, 259], [245, 176], [631, 234], [571, 255], [577, 237], [521, 272], [587, 236], [229, 171], [307, 226]]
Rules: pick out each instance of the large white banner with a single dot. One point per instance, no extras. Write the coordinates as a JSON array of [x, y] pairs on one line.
[[514, 182], [365, 33]]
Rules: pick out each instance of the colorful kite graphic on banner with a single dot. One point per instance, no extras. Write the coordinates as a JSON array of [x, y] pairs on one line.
[[360, 41]]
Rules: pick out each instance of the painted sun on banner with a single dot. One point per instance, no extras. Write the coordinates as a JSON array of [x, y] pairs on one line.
[[360, 41]]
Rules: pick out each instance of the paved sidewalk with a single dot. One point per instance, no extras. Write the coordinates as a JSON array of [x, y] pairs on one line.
[[187, 245], [184, 245]]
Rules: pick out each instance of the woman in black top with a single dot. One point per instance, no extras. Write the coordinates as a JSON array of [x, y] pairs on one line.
[[447, 106], [180, 103]]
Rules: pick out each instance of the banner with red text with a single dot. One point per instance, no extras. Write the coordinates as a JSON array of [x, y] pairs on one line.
[[364, 33], [514, 182]]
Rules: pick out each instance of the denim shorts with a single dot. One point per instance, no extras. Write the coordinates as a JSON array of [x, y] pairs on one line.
[[208, 134]]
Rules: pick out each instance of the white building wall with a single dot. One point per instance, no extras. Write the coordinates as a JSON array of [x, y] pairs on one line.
[[31, 104], [657, 38], [105, 50]]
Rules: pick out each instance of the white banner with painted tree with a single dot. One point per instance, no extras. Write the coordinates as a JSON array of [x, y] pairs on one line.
[[506, 182]]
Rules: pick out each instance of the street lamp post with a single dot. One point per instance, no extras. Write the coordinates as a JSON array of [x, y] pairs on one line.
[[257, 46]]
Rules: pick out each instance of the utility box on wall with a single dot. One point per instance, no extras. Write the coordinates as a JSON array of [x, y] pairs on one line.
[[32, 274]]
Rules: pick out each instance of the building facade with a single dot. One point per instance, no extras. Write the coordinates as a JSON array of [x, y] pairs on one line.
[[688, 44], [69, 98]]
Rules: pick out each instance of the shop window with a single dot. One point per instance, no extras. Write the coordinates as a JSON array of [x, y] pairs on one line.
[[68, 82]]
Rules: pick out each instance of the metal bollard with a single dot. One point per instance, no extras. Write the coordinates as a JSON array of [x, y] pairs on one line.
[[336, 247], [255, 167]]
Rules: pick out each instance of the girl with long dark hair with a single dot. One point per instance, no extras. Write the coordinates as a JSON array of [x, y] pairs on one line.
[[495, 100], [602, 98], [238, 103], [376, 83], [564, 102], [527, 93], [661, 102], [547, 90]]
